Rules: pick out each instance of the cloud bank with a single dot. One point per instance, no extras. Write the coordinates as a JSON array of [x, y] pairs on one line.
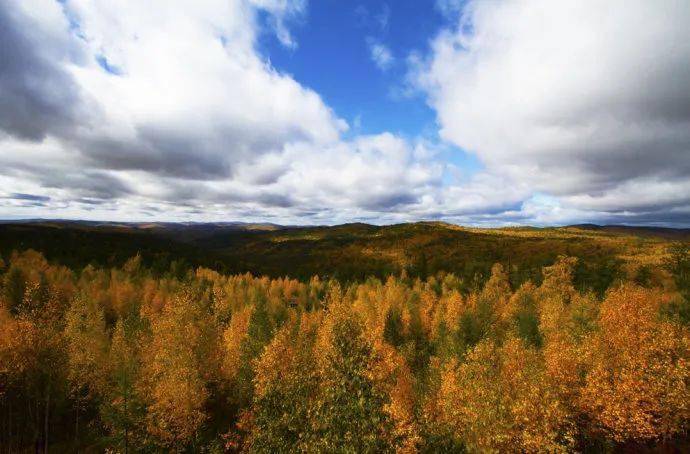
[[587, 101], [578, 111]]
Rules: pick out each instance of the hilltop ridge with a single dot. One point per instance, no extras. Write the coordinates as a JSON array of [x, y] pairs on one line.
[[348, 251]]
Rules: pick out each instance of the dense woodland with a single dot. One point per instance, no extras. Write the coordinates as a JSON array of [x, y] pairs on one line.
[[347, 253], [135, 358]]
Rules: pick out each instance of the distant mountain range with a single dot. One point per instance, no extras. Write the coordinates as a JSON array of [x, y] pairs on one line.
[[147, 225], [662, 232]]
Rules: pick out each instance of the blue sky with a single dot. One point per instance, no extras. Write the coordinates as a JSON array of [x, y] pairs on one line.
[[506, 112], [373, 100], [348, 79]]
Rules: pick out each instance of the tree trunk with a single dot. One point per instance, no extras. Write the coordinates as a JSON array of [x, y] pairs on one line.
[[46, 421], [126, 418], [5, 420], [35, 419], [9, 428], [76, 426], [4, 424]]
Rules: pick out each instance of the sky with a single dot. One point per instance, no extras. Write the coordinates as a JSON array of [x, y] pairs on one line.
[[488, 113]]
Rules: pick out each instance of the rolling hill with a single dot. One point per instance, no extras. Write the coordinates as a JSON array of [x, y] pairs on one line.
[[349, 251]]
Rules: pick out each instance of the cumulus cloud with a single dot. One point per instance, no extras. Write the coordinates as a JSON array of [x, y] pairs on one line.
[[39, 95], [181, 115], [585, 100], [107, 101], [190, 96]]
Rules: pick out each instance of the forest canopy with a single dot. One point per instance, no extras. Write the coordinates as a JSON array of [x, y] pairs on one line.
[[128, 359]]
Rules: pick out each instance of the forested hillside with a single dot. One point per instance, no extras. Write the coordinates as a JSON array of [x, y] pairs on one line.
[[130, 358], [352, 252]]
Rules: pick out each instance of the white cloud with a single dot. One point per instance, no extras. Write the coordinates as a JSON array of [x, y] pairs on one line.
[[192, 96], [282, 12], [449, 8], [206, 91], [585, 100], [380, 54]]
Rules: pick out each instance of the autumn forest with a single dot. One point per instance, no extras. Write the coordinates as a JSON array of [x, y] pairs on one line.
[[522, 356], [366, 226]]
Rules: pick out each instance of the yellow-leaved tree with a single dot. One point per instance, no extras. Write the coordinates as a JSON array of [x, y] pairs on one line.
[[172, 382], [638, 388], [499, 400]]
